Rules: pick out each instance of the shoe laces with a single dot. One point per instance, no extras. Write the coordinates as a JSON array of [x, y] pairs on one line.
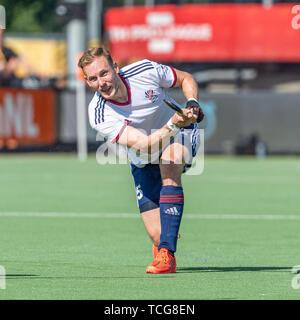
[[163, 255]]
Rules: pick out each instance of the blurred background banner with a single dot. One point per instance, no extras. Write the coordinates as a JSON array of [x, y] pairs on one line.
[[235, 119], [44, 55], [213, 32], [27, 117]]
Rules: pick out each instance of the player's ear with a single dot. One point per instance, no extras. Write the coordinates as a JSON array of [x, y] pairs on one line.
[[116, 67]]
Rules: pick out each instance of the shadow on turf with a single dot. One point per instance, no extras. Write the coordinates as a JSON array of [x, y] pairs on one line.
[[20, 275], [25, 276], [229, 269]]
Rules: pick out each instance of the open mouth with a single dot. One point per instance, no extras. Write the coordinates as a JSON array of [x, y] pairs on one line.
[[106, 90]]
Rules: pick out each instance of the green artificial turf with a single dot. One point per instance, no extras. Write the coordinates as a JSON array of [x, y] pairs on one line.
[[71, 230]]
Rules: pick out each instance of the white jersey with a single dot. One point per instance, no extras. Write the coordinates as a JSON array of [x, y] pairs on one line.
[[146, 82]]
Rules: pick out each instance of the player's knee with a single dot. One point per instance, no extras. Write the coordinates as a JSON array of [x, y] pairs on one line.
[[171, 174], [174, 154], [175, 159]]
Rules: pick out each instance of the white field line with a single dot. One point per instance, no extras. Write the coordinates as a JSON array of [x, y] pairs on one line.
[[137, 215]]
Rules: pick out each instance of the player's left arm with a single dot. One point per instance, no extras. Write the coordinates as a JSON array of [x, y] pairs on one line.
[[189, 87]]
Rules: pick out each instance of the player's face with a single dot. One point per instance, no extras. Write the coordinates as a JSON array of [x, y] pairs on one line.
[[103, 77]]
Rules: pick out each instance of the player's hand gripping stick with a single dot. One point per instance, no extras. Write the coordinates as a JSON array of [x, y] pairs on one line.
[[193, 104], [190, 104]]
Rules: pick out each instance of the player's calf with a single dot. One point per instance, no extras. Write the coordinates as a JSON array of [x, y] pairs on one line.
[[171, 209]]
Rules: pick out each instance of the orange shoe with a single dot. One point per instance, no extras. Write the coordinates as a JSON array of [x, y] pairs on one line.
[[155, 248], [154, 251], [163, 263]]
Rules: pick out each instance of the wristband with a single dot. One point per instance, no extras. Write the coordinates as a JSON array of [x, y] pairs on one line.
[[172, 126], [190, 99]]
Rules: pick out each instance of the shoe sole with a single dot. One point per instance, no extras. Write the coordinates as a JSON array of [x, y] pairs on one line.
[[156, 271]]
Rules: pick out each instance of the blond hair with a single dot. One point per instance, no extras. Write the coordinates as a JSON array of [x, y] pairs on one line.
[[89, 56]]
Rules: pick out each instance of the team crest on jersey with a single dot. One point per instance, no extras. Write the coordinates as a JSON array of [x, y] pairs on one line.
[[151, 95]]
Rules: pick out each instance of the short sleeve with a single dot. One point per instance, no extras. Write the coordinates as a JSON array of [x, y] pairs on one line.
[[108, 126], [166, 75], [111, 129]]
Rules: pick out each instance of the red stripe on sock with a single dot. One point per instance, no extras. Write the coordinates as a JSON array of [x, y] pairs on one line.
[[170, 196], [171, 200]]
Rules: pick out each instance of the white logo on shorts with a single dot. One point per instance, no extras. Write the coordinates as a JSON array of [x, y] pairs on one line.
[[139, 192]]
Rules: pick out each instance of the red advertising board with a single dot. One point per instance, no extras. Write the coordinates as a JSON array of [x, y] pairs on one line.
[[205, 32], [27, 116]]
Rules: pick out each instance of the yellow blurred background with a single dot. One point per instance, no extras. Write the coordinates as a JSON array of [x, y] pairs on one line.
[[42, 57]]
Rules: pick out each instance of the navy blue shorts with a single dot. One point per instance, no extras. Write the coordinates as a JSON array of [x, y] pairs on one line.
[[147, 179], [148, 183]]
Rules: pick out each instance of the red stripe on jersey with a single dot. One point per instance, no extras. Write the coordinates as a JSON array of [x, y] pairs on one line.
[[120, 132], [175, 77]]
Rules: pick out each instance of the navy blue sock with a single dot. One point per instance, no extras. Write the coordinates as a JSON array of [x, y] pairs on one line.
[[171, 209]]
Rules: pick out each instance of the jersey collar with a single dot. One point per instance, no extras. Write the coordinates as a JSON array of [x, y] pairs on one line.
[[128, 93]]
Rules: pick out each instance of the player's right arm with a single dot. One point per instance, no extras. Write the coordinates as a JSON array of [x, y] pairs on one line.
[[134, 138]]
